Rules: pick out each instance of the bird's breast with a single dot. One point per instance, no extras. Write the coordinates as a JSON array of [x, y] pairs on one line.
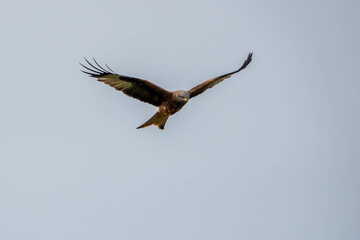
[[171, 106]]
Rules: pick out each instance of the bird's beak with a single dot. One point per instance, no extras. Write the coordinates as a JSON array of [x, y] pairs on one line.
[[185, 99]]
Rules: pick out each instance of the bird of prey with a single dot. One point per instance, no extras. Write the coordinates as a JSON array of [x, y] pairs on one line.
[[168, 102]]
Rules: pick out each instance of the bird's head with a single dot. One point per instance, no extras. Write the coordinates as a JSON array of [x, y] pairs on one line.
[[182, 96]]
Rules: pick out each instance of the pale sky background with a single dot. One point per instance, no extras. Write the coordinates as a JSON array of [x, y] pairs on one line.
[[271, 153]]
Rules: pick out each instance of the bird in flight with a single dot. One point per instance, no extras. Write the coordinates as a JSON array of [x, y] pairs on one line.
[[168, 102]]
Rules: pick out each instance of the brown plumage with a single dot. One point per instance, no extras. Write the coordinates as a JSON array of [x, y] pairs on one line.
[[168, 102]]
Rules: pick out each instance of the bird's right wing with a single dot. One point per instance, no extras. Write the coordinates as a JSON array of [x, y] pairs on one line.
[[140, 89], [212, 82]]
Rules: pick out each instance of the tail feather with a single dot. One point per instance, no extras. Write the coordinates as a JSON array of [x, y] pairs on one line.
[[159, 119]]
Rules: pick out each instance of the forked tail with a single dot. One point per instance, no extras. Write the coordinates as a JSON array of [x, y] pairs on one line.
[[159, 120]]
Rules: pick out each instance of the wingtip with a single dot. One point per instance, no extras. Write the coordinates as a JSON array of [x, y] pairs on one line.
[[95, 69]]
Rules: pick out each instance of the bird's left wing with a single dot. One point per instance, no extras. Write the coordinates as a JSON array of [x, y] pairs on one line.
[[140, 89], [212, 82]]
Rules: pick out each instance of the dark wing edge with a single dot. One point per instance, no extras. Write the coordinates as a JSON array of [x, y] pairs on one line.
[[140, 89], [212, 82]]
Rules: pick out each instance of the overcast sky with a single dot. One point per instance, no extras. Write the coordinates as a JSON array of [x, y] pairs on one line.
[[271, 153]]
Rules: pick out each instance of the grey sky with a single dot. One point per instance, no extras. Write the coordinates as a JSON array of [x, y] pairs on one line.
[[271, 153]]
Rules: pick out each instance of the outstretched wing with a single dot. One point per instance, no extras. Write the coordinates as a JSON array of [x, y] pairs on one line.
[[212, 82], [140, 89]]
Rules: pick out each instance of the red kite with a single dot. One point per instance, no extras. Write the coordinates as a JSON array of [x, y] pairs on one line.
[[168, 102]]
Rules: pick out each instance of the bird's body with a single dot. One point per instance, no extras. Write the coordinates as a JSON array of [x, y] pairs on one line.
[[175, 103], [169, 107], [168, 102]]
